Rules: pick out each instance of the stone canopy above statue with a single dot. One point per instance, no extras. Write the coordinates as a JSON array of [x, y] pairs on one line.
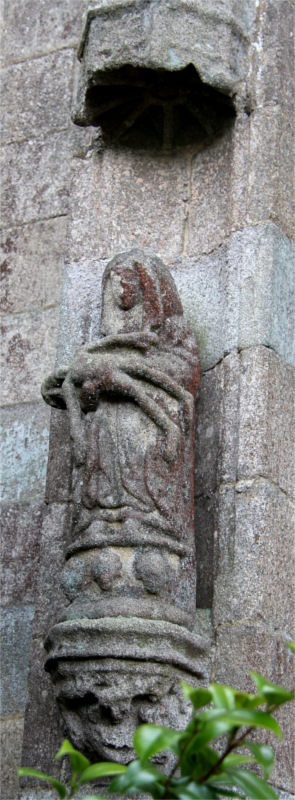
[[169, 69]]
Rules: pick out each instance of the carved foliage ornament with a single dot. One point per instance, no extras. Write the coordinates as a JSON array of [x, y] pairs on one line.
[[125, 637]]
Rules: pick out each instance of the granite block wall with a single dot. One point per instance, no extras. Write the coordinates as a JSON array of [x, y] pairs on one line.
[[222, 218], [38, 45]]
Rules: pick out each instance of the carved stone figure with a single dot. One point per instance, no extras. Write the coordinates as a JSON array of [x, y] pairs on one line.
[[131, 555]]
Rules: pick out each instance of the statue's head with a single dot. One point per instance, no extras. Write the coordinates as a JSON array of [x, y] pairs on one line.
[[103, 701], [136, 279]]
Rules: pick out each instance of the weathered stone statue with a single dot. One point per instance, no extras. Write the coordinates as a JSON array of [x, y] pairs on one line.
[[130, 569]]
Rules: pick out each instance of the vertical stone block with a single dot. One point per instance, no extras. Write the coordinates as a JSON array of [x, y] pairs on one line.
[[217, 426], [50, 599], [32, 265], [16, 633], [39, 92], [218, 189], [123, 200], [29, 348], [25, 435], [244, 647], [20, 545], [262, 260], [80, 308], [11, 750], [254, 559], [42, 731], [271, 180], [59, 466], [40, 26], [266, 431], [209, 296], [272, 73], [35, 177]]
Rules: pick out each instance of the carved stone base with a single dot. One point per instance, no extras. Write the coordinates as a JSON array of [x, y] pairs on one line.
[[113, 674], [103, 701]]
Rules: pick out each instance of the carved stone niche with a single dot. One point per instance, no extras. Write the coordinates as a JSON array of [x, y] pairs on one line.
[[162, 74], [127, 635]]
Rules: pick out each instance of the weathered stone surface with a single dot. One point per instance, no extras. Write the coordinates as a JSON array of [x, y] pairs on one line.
[[217, 428], [252, 557], [266, 429], [39, 94], [43, 732], [271, 179], [24, 454], [125, 694], [29, 348], [11, 751], [272, 74], [80, 309], [20, 545], [209, 293], [143, 205], [32, 260], [59, 467], [164, 37], [16, 634], [34, 178], [218, 193], [245, 421], [244, 647], [40, 26], [241, 294], [262, 260], [50, 599], [205, 525]]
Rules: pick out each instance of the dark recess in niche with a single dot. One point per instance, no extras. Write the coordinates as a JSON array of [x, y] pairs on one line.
[[145, 108]]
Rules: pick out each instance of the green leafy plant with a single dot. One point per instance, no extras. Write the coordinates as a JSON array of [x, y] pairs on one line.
[[208, 762]]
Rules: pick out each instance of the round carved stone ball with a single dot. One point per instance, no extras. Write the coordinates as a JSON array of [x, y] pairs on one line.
[[106, 567]]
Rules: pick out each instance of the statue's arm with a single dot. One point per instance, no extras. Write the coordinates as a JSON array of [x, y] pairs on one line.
[[143, 340], [161, 379]]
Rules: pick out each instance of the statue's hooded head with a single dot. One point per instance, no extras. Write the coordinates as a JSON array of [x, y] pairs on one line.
[[138, 293]]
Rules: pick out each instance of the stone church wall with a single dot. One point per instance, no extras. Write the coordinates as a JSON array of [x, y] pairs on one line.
[[221, 217]]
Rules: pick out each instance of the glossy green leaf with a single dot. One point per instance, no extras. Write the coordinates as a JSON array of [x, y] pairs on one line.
[[34, 773], [223, 696], [291, 646], [198, 697], [195, 790], [101, 770], [264, 756], [274, 695], [234, 760], [198, 763], [137, 777], [245, 717], [151, 739], [210, 731], [78, 761], [224, 792], [253, 786], [244, 700]]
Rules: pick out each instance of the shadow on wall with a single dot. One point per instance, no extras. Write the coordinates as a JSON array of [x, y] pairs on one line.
[[155, 109]]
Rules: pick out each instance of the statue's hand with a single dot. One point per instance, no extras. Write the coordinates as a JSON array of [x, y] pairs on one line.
[[51, 388]]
